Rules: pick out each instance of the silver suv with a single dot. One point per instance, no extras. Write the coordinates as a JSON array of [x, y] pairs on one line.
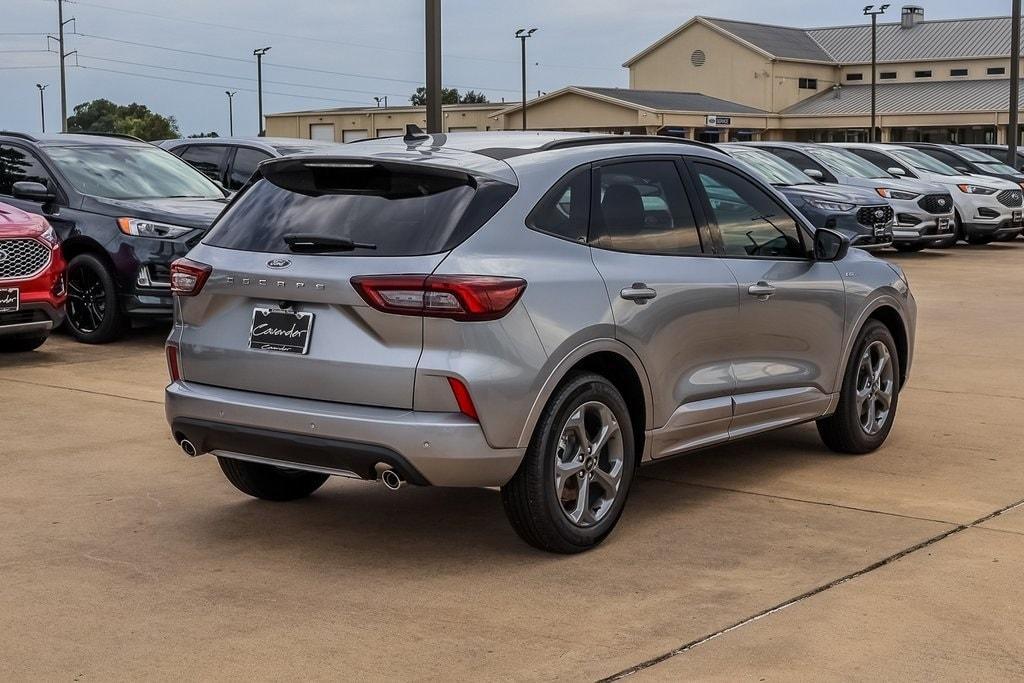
[[541, 312]]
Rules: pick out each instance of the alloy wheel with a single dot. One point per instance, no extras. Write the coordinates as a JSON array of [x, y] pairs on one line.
[[87, 299], [589, 464], [876, 385]]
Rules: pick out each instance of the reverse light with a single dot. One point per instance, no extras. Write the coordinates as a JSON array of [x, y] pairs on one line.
[[975, 189], [188, 276], [140, 228], [468, 298], [463, 398], [898, 195]]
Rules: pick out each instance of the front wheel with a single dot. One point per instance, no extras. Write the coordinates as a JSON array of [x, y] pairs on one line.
[[21, 344], [572, 485], [93, 316], [909, 248], [267, 482], [980, 240], [869, 396]]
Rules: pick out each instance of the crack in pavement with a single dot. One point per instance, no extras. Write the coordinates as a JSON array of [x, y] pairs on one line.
[[686, 647], [83, 391]]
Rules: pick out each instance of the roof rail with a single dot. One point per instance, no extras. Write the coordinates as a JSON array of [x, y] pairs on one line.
[[15, 134], [122, 136], [620, 139]]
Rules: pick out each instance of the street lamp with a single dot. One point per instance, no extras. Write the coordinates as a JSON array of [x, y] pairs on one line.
[[873, 12], [231, 111], [42, 105], [258, 53], [383, 99], [522, 34]]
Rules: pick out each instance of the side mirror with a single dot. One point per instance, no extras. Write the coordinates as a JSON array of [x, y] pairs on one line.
[[33, 192], [814, 173], [830, 245], [896, 171]]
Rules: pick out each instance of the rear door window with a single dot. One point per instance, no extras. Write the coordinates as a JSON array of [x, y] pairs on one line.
[[397, 208], [207, 158], [244, 165], [643, 209]]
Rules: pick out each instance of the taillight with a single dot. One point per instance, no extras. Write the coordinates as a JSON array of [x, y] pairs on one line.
[[173, 367], [463, 398], [188, 276], [459, 297]]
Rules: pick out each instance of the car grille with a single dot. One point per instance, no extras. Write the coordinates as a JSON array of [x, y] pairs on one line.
[[936, 203], [22, 258], [869, 215], [1011, 198]]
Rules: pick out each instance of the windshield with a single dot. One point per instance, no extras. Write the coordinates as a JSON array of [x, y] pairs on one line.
[[775, 170], [923, 162], [996, 167], [131, 172], [974, 155], [846, 163]]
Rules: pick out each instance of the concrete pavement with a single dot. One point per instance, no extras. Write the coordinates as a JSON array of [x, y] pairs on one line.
[[121, 559]]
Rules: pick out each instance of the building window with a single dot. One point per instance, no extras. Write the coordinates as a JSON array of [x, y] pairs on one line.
[[855, 77], [808, 83], [958, 72], [996, 70], [923, 74], [887, 75]]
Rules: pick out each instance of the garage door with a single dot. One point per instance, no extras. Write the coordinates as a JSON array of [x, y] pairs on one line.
[[389, 132], [322, 131], [353, 135]]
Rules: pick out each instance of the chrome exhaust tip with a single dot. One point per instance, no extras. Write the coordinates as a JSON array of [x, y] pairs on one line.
[[189, 448], [391, 480]]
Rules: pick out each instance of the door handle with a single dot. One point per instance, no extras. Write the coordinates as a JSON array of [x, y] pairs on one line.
[[639, 293], [762, 290]]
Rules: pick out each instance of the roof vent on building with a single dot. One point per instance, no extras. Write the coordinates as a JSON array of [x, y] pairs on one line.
[[698, 58], [912, 16]]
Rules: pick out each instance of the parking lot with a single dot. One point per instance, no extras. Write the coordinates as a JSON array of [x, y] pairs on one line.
[[122, 559]]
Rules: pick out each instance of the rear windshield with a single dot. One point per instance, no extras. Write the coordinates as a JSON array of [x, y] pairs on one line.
[[400, 213]]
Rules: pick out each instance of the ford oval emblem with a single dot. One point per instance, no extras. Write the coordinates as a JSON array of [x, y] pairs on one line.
[[279, 263], [879, 213]]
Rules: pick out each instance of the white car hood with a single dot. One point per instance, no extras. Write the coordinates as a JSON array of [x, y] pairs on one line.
[[953, 180]]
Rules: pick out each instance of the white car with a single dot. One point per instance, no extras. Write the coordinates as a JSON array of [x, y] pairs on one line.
[[987, 208]]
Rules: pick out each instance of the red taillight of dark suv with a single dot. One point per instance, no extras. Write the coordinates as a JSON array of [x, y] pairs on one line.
[[33, 289]]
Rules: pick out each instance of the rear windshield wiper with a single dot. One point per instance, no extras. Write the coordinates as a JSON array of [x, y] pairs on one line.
[[322, 244]]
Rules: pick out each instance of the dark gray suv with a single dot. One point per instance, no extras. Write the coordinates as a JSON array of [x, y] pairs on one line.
[[543, 312]]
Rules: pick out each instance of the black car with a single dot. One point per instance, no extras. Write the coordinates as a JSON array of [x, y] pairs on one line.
[[969, 160], [1001, 153], [124, 210], [232, 161]]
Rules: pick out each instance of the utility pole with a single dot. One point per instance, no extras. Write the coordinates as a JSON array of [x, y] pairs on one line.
[[61, 23], [522, 34], [874, 13], [1013, 130], [259, 82], [42, 105], [433, 59], [231, 112]]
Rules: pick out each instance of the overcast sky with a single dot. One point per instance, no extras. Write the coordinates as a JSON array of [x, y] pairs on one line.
[[365, 48]]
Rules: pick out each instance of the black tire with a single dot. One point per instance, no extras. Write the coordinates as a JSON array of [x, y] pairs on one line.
[[267, 482], [843, 432], [909, 248], [22, 344], [534, 509], [980, 240], [93, 314]]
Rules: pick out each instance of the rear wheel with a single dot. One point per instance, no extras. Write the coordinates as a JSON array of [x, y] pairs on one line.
[[573, 483], [869, 396], [267, 482], [93, 316], [909, 248], [21, 344]]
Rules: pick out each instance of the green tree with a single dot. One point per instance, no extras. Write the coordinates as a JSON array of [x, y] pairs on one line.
[[449, 96], [104, 116], [211, 134]]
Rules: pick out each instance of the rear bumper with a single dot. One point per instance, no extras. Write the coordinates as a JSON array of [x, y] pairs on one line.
[[438, 449]]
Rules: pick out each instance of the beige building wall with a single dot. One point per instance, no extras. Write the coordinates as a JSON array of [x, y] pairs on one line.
[[373, 122], [977, 69], [574, 111]]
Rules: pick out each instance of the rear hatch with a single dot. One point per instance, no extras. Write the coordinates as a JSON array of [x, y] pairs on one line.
[[292, 241]]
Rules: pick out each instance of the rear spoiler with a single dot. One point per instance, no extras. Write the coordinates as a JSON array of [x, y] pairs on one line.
[[322, 175]]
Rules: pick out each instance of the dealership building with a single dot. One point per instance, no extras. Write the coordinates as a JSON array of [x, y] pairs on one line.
[[716, 80]]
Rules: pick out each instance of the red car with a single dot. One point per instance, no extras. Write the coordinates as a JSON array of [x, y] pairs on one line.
[[32, 285]]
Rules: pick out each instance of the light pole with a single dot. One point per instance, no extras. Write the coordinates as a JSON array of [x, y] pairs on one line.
[[42, 105], [380, 100], [231, 111], [1013, 132], [259, 82], [522, 34], [874, 12]]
